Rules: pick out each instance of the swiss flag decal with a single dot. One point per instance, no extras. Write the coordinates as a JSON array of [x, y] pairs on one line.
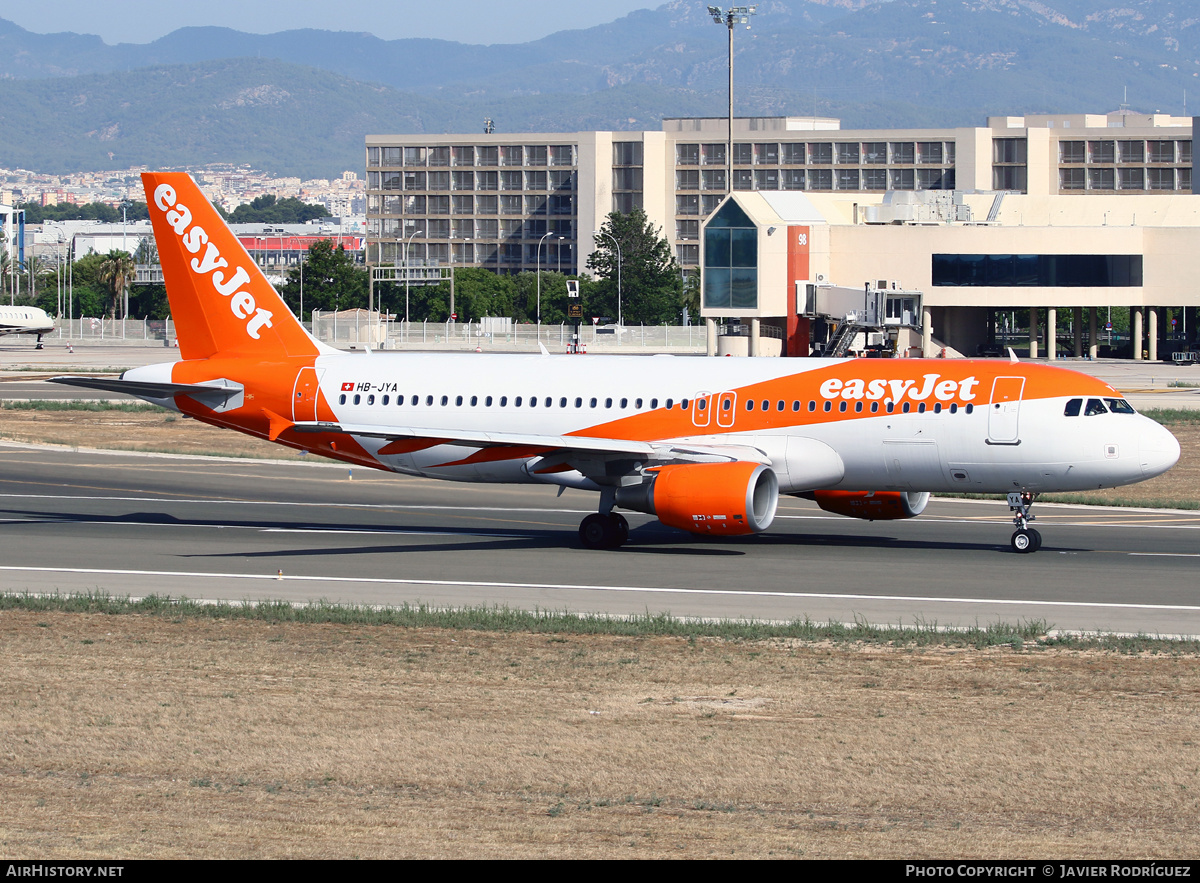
[[346, 387]]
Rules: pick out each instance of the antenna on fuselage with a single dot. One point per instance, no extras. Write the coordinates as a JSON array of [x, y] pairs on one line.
[[1012, 357]]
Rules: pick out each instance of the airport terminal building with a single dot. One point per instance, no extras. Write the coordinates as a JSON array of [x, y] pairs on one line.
[[1050, 212]]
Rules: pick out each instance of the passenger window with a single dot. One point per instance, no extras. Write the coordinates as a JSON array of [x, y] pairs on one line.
[[370, 399], [842, 406], [503, 401], [357, 399], [562, 403], [874, 407], [474, 401], [384, 400], [1094, 407], [591, 403], [907, 407], [921, 408], [858, 407], [829, 406], [654, 403], [532, 401], [415, 399], [638, 404], [670, 403], [487, 403], [749, 404], [702, 404], [624, 404], [517, 402], [954, 409], [795, 406], [578, 403], [970, 409], [937, 408], [1072, 408], [458, 401], [342, 399], [779, 406], [812, 406], [683, 404], [445, 401], [608, 403]]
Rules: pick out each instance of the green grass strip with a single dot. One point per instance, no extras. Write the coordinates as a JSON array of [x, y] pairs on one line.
[[1171, 416], [80, 405], [1027, 635]]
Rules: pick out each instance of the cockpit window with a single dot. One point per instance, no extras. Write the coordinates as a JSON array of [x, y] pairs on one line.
[[1072, 409], [1094, 407], [1120, 406]]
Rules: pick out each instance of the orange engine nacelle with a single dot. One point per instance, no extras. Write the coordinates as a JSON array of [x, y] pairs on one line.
[[872, 505], [715, 499]]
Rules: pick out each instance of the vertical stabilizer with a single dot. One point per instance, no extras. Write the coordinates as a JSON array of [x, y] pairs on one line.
[[220, 300]]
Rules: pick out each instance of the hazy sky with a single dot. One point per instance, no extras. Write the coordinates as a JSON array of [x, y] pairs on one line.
[[468, 21]]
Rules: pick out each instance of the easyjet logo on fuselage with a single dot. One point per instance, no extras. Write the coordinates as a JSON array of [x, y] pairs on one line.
[[210, 263], [894, 390]]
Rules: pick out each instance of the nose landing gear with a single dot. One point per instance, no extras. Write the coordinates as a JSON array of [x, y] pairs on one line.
[[1024, 539]]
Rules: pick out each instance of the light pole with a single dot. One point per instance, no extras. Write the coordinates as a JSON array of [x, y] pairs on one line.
[[407, 271], [620, 322], [539, 282], [734, 15]]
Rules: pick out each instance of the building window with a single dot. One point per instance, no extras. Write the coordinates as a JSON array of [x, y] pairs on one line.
[[1132, 151], [511, 205], [730, 260], [743, 179], [439, 156], [1009, 178], [874, 152], [1009, 150], [627, 179], [687, 230], [1160, 179], [463, 156], [627, 153], [438, 205], [847, 179], [1070, 151], [793, 179], [743, 154], [414, 156], [766, 179], [929, 152], [562, 155], [1070, 179], [487, 155], [511, 181], [709, 203], [1161, 151], [688, 204], [930, 179], [820, 179], [766, 154], [713, 179], [535, 180], [687, 255], [488, 180], [847, 154], [562, 180], [512, 155], [464, 180], [820, 154], [687, 154], [903, 152], [1132, 179], [535, 155], [464, 205], [874, 179], [902, 179], [1101, 179], [624, 203], [1185, 152], [486, 205], [438, 180], [687, 179], [793, 154], [1043, 271], [713, 154], [1102, 151], [414, 180]]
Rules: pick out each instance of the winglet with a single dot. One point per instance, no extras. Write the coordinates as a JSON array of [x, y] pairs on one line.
[[1012, 357]]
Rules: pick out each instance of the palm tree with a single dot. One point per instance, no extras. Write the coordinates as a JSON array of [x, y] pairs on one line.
[[116, 272]]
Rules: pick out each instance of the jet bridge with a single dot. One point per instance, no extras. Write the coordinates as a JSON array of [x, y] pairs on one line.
[[880, 319]]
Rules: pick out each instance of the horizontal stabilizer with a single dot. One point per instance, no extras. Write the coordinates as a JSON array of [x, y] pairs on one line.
[[216, 394]]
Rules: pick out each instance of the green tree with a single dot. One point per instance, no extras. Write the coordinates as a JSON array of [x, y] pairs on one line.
[[332, 281], [267, 210], [116, 272], [651, 289]]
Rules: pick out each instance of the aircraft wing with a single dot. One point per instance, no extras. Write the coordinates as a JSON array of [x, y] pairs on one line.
[[216, 394], [660, 450]]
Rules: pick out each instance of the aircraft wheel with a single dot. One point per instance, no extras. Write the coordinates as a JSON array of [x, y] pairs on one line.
[[596, 532], [620, 529], [1037, 539], [1025, 541]]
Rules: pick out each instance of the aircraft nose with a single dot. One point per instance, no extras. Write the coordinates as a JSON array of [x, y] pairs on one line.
[[1159, 451]]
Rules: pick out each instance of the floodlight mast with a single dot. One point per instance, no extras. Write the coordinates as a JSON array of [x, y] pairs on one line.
[[734, 15]]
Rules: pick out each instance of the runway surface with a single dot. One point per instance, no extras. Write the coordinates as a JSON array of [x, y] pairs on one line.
[[223, 529]]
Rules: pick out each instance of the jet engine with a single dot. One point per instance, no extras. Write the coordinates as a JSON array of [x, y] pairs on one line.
[[872, 505], [713, 499]]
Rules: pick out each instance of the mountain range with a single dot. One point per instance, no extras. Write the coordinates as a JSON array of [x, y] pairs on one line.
[[300, 102]]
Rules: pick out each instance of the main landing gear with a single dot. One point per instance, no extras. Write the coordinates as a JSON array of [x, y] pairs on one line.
[[600, 531], [1024, 539]]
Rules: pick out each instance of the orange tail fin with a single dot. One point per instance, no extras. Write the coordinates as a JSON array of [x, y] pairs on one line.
[[220, 300]]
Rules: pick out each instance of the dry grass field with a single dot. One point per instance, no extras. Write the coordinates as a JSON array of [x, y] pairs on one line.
[[143, 736]]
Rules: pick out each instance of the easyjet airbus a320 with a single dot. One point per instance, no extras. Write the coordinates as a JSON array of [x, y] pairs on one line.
[[705, 445]]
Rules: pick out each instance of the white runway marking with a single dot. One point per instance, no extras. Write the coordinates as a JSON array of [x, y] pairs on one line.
[[658, 590]]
